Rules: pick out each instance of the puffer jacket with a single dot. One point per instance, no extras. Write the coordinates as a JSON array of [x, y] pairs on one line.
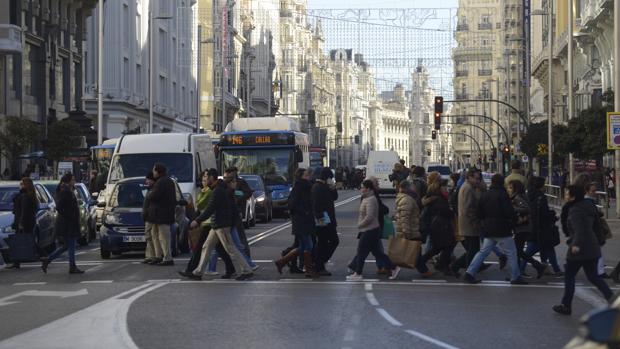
[[407, 217]]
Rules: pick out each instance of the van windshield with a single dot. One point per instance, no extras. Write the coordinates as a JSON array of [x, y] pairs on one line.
[[138, 165]]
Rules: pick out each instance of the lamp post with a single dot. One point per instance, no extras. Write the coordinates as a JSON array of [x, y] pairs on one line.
[[100, 74], [571, 105], [151, 88], [617, 95]]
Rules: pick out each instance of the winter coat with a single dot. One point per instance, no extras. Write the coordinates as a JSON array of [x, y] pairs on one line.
[[323, 198], [542, 220], [241, 200], [407, 216], [522, 209], [496, 212], [441, 220], [468, 198], [24, 213], [300, 208], [68, 219], [582, 218], [202, 202], [368, 218], [220, 207], [162, 201]]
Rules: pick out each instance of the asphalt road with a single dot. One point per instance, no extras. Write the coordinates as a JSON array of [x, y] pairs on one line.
[[120, 303]]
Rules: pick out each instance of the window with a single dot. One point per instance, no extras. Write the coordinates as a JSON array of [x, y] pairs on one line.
[[163, 49], [125, 27], [175, 96], [163, 93], [126, 73], [139, 29], [139, 86]]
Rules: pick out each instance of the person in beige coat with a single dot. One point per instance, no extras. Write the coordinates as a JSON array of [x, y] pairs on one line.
[[468, 221], [407, 212]]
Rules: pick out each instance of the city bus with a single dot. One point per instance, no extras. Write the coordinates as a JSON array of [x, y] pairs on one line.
[[318, 157], [271, 147], [100, 158]]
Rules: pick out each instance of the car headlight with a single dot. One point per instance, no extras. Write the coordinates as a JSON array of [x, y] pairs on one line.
[[111, 219], [260, 198]]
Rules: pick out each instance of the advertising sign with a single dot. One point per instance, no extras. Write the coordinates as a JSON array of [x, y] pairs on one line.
[[613, 131]]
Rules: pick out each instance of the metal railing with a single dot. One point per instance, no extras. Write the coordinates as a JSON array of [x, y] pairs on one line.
[[555, 198]]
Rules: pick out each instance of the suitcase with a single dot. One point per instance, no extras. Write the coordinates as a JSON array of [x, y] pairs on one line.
[[22, 248]]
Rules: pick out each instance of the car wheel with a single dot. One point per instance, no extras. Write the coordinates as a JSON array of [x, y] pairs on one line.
[[104, 254]]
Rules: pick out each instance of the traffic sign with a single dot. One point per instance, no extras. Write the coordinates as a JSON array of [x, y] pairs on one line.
[[613, 130]]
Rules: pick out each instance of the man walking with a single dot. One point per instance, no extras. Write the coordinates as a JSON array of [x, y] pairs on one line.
[[323, 197], [469, 223], [243, 192], [149, 253], [162, 202], [498, 218]]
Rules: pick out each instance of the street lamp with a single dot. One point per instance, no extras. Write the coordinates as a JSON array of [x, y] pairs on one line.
[[150, 34]]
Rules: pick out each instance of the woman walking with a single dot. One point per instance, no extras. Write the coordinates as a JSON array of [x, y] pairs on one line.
[[369, 232], [584, 249], [67, 223], [302, 219], [24, 211]]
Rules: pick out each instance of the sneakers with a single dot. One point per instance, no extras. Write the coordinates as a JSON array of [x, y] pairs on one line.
[[502, 262], [394, 273], [244, 277], [355, 277], [562, 309], [470, 279], [518, 281], [255, 267]]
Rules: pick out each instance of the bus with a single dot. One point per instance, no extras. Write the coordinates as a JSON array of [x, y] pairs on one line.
[[100, 158], [271, 147], [318, 157]]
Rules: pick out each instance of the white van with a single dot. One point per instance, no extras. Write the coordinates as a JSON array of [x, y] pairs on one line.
[[185, 155], [380, 165]]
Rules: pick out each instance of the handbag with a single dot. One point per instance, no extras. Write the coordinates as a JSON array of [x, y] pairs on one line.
[[403, 252], [388, 227], [22, 248]]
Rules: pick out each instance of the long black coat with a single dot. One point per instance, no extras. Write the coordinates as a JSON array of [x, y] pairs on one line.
[[323, 198], [300, 207], [542, 220], [441, 220], [25, 213], [162, 201], [496, 212], [68, 219], [582, 218]]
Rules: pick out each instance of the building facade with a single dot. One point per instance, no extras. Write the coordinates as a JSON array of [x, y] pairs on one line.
[[397, 124]]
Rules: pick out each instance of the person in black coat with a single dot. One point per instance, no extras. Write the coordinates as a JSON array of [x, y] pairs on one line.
[[498, 218], [67, 223], [24, 211], [584, 248], [302, 219], [323, 197], [161, 213]]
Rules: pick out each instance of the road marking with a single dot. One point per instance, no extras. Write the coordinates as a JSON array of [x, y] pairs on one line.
[[372, 299], [163, 280], [388, 317], [431, 339], [429, 281], [349, 335], [29, 283], [95, 249], [34, 293], [368, 286], [97, 282]]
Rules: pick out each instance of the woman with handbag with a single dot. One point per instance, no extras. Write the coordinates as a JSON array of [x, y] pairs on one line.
[[370, 232], [67, 223], [24, 211]]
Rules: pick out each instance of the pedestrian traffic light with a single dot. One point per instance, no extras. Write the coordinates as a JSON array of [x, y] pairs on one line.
[[339, 126], [437, 121], [311, 117], [434, 134], [356, 139], [438, 105]]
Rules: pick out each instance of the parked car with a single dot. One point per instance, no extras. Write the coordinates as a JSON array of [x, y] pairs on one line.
[[87, 207], [122, 228], [46, 215], [262, 197]]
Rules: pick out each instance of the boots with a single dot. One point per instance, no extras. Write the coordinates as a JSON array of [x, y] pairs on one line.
[[310, 273], [615, 275], [282, 262]]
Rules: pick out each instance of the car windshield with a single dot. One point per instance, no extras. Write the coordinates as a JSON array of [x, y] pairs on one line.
[[443, 170], [6, 198], [275, 165], [253, 182], [128, 195], [138, 165]]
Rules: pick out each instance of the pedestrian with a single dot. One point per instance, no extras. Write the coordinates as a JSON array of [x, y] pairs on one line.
[[92, 182], [221, 208], [149, 253], [161, 213], [24, 212], [440, 225], [468, 220], [544, 235], [302, 220], [323, 195], [399, 173], [453, 194], [369, 233], [515, 174], [591, 189], [498, 218], [202, 201], [516, 192], [243, 192], [583, 248], [418, 179], [67, 223]]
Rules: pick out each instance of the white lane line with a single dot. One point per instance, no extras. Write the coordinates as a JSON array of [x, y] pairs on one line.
[[590, 297], [388, 317], [80, 253], [262, 260], [29, 283], [372, 299], [97, 282], [349, 335], [95, 249], [163, 280], [431, 339], [368, 286], [429, 281]]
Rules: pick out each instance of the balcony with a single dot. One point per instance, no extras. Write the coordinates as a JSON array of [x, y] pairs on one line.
[[485, 26], [485, 72], [463, 52], [461, 73], [462, 27], [10, 38], [461, 96]]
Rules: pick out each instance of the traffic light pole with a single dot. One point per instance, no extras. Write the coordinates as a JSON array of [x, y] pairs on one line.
[[465, 134], [525, 121], [485, 117], [479, 127]]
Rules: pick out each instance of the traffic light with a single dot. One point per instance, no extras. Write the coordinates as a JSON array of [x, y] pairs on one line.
[[339, 126], [311, 117], [438, 105], [506, 150], [356, 139], [437, 121], [434, 134]]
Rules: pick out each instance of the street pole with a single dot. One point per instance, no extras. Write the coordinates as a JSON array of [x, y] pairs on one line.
[[571, 110], [617, 94], [150, 33], [198, 71], [550, 98], [100, 75]]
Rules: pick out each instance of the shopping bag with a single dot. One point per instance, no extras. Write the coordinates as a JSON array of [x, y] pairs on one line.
[[403, 252], [388, 227], [22, 248]]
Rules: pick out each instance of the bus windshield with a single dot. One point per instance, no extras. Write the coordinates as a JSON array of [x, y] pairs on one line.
[[275, 165], [179, 165]]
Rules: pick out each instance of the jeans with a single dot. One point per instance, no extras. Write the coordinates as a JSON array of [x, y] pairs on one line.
[[161, 241], [571, 269], [472, 246], [507, 244], [547, 254], [69, 245], [520, 240], [369, 242], [600, 266], [327, 242], [235, 238], [224, 236], [3, 246]]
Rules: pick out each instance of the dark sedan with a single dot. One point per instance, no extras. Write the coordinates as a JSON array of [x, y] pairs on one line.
[[262, 197]]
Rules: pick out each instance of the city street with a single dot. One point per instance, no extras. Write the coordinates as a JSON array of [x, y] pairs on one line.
[[120, 303]]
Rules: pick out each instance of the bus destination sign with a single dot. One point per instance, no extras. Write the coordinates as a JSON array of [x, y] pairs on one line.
[[250, 139]]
